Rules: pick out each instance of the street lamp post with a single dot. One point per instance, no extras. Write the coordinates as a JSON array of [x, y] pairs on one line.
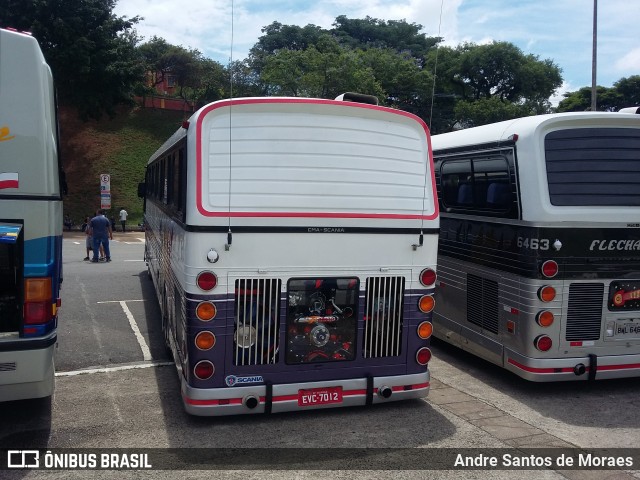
[[594, 57]]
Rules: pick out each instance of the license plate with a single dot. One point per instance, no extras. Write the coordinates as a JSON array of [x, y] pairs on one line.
[[319, 396], [627, 328]]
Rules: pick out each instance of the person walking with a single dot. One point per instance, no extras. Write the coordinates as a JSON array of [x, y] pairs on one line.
[[88, 240], [123, 218], [100, 229]]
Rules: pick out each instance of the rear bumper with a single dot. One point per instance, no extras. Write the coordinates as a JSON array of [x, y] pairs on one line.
[[576, 368], [27, 372], [284, 398]]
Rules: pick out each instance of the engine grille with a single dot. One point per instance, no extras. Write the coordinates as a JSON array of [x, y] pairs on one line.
[[482, 303], [383, 317], [584, 313], [257, 321]]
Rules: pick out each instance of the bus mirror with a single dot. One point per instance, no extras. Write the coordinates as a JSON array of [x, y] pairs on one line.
[[142, 190]]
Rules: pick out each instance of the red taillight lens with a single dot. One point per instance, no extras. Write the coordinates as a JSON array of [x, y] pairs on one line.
[[203, 370], [547, 293], [427, 277], [423, 356], [543, 343], [549, 269], [545, 318], [37, 312], [207, 281]]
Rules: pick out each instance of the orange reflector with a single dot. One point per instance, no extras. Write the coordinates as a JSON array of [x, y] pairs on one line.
[[547, 293], [544, 318], [206, 311], [205, 340], [37, 289], [426, 303], [425, 329]]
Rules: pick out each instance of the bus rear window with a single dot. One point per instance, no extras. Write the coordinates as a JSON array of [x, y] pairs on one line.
[[593, 166]]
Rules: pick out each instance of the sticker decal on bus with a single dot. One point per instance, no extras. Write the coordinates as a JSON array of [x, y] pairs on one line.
[[232, 380]]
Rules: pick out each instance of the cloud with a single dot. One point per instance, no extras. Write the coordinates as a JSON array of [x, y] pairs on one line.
[[629, 64]]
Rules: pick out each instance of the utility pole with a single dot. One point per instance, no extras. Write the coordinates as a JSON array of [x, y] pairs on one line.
[[594, 58]]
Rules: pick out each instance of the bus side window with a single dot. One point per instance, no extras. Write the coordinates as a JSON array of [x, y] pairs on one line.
[[498, 195], [465, 194]]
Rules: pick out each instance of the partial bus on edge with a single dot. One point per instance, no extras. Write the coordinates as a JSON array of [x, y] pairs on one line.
[[539, 254], [31, 182], [292, 245]]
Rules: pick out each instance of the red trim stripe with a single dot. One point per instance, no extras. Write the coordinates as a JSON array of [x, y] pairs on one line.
[[600, 368], [291, 398], [9, 184]]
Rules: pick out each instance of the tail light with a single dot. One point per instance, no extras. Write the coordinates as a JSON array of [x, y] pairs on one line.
[[426, 303], [203, 370], [425, 329], [549, 269], [207, 280], [545, 318], [205, 340], [427, 277], [547, 293], [543, 343], [39, 306], [423, 356], [206, 311]]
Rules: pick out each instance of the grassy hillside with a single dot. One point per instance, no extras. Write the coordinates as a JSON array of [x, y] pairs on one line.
[[120, 147]]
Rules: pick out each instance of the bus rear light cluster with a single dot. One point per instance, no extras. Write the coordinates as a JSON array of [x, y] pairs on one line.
[[39, 306], [207, 280], [206, 311], [549, 269], [426, 303], [205, 340], [547, 293], [203, 370], [423, 356], [428, 277], [545, 318], [425, 329], [543, 343]]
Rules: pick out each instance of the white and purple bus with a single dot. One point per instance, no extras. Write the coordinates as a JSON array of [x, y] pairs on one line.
[[292, 245]]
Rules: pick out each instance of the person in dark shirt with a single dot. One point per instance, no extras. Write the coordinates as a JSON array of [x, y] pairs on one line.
[[100, 230]]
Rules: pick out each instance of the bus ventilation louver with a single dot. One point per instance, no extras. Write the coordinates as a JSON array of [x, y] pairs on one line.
[[257, 321], [584, 312], [482, 303], [383, 317]]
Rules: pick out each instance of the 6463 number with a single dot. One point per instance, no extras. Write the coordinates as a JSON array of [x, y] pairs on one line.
[[533, 243]]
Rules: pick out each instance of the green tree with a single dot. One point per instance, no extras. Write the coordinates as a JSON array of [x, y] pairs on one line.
[[90, 50], [607, 99], [374, 33], [324, 71], [629, 91]]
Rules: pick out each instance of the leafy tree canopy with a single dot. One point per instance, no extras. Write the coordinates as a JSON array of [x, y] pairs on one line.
[[90, 50]]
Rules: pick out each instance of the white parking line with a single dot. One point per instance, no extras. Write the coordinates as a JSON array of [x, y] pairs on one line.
[[146, 353], [118, 368]]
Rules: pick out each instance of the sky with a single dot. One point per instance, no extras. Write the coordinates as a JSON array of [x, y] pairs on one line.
[[559, 30]]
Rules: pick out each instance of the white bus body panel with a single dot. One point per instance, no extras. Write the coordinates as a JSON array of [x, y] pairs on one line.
[[255, 165]]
